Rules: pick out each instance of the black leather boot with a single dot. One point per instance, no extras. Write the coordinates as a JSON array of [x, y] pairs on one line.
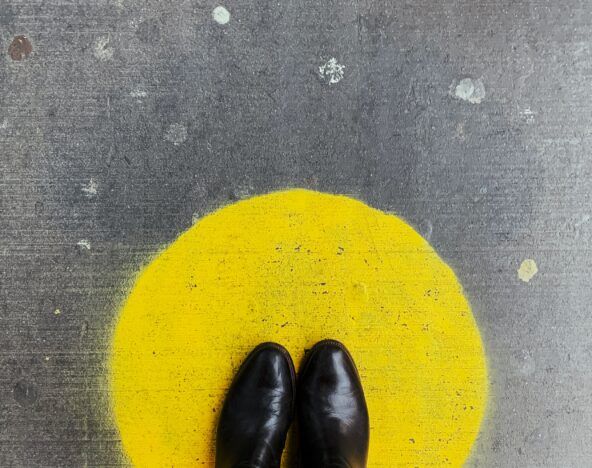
[[258, 410], [332, 412]]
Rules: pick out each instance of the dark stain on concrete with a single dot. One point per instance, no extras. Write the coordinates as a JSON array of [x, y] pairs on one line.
[[149, 31], [25, 393], [20, 48]]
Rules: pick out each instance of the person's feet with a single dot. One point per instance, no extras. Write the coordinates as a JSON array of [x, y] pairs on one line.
[[257, 411], [332, 412]]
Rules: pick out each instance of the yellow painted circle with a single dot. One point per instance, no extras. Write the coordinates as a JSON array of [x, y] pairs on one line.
[[296, 267]]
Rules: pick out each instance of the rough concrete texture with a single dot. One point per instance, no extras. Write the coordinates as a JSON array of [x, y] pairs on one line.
[[123, 120]]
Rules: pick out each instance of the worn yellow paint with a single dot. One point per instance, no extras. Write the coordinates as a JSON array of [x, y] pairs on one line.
[[296, 267]]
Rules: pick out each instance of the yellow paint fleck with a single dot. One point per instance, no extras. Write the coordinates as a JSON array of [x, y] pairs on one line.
[[296, 267], [528, 268]]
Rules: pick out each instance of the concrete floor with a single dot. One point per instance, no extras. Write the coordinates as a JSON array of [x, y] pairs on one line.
[[122, 121]]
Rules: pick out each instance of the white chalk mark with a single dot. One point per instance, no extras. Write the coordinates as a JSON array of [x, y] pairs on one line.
[[221, 15], [84, 243], [101, 51], [469, 90], [176, 134], [528, 268], [331, 71], [90, 189]]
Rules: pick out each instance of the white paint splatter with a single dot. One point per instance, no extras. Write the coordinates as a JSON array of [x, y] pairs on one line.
[[90, 189], [331, 71], [176, 134], [469, 90], [101, 51], [528, 268], [57, 312], [221, 15], [138, 93], [84, 243]]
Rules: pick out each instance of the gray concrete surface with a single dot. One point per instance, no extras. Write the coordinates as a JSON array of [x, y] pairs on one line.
[[128, 118]]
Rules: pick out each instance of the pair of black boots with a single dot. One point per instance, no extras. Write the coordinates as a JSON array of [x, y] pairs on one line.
[[260, 405]]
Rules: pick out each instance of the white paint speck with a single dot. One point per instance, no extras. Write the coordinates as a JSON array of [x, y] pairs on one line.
[[57, 312], [47, 358], [221, 15], [176, 134], [243, 191], [469, 90], [528, 115], [426, 228], [460, 131], [90, 189], [528, 365], [101, 49], [83, 243], [138, 93], [584, 219], [528, 268], [331, 71], [195, 217]]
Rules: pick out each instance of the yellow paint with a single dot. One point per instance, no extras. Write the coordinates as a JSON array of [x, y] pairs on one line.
[[296, 267]]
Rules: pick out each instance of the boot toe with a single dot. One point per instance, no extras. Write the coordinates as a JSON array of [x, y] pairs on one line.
[[334, 426], [257, 410]]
